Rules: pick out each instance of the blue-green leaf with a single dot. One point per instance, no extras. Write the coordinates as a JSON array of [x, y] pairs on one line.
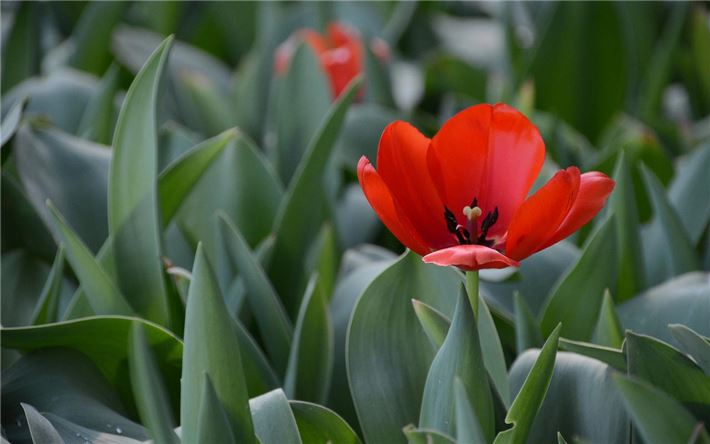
[[274, 422]]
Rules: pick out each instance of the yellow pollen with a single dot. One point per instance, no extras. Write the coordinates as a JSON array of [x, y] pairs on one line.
[[471, 213]]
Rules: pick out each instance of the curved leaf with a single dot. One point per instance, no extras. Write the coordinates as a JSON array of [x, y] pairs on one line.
[[274, 422], [41, 430], [320, 424]]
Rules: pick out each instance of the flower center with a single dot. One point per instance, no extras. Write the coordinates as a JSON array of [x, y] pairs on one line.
[[469, 234]]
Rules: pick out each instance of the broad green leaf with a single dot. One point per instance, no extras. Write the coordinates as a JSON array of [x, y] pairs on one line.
[[683, 300], [426, 436], [311, 359], [92, 36], [320, 424], [492, 350], [577, 296], [693, 344], [274, 422], [211, 110], [527, 330], [47, 308], [148, 390], [608, 331], [693, 208], [326, 254], [622, 203], [581, 400], [361, 132], [99, 117], [212, 347], [178, 178], [676, 248], [41, 430], [388, 354], [73, 433], [355, 221], [11, 121], [134, 221], [433, 322], [67, 170], [660, 418], [700, 38], [608, 355], [460, 357], [301, 210], [212, 423], [104, 340], [102, 294], [560, 439], [271, 318], [667, 369], [304, 86], [529, 399], [259, 375], [468, 428], [22, 45]]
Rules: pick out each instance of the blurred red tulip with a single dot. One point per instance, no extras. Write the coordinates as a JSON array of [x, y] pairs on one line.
[[460, 197]]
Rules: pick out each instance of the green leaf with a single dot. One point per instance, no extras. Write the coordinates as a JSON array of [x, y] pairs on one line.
[[311, 359], [274, 422], [41, 430], [134, 222], [560, 439], [212, 423], [148, 390], [47, 307], [99, 116], [527, 331], [578, 295], [361, 132], [492, 350], [301, 210], [692, 207], [426, 436], [92, 36], [212, 347], [460, 357], [304, 86], [102, 294], [21, 44], [385, 330], [11, 120], [608, 355], [259, 375], [326, 257], [608, 331], [660, 418], [271, 318], [468, 428], [622, 203], [320, 424], [693, 344], [209, 107], [667, 369], [177, 179], [433, 322], [531, 395], [676, 249]]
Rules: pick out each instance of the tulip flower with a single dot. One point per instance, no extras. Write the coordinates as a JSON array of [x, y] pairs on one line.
[[339, 51], [461, 198]]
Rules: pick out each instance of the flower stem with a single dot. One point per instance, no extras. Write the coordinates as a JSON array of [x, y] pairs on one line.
[[472, 291]]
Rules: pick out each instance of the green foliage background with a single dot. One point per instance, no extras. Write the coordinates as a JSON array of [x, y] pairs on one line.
[[184, 242]]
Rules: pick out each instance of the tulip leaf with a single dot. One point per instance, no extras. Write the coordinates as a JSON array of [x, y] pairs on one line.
[[11, 120], [560, 439], [101, 293], [578, 295], [426, 436], [148, 390], [311, 359], [676, 248], [692, 207], [209, 108], [47, 307], [211, 347], [660, 418], [385, 330], [304, 86], [134, 221], [271, 318], [274, 422], [259, 375], [212, 423], [693, 344], [608, 331], [527, 331], [667, 369], [433, 322], [99, 116], [608, 355], [320, 424], [531, 395], [178, 178], [22, 45], [91, 38], [468, 428], [460, 356], [492, 350], [41, 430], [301, 210]]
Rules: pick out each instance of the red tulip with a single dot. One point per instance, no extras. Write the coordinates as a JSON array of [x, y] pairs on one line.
[[460, 198], [339, 52]]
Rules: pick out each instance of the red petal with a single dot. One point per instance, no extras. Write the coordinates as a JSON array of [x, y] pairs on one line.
[[380, 199], [594, 188], [470, 257], [344, 60], [541, 214], [402, 164]]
